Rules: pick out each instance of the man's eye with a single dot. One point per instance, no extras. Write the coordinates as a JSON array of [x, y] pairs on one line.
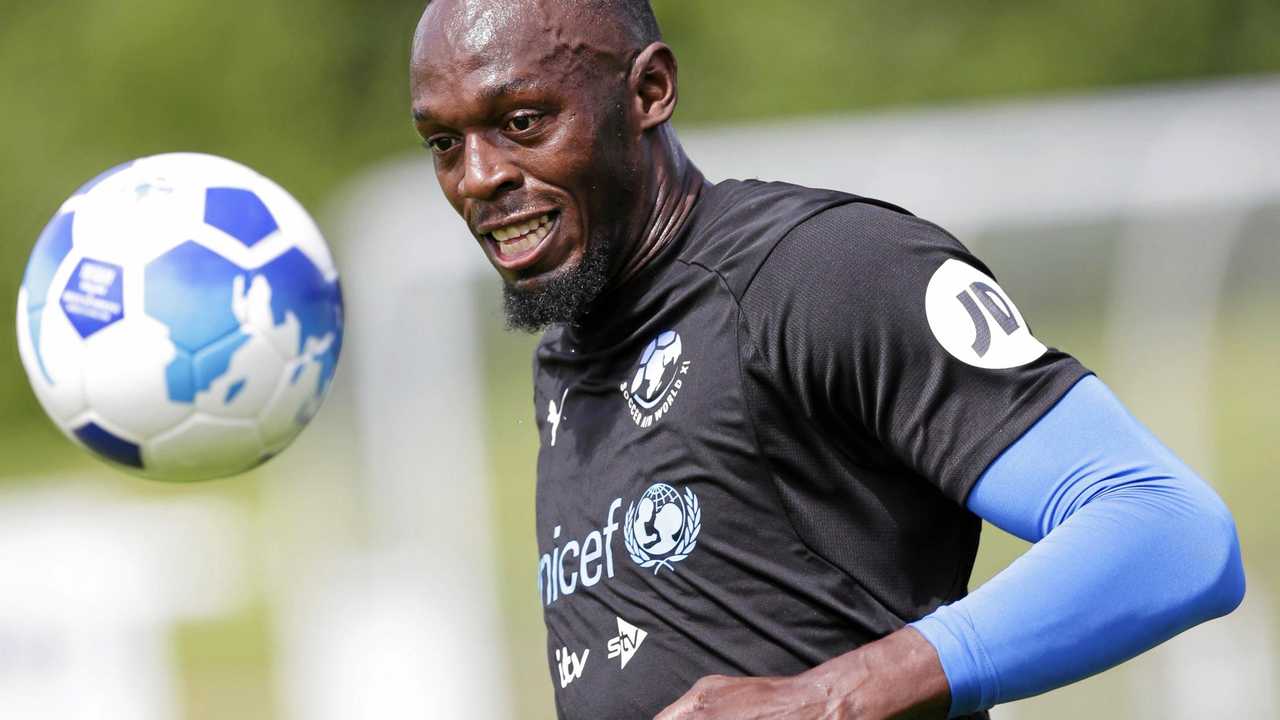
[[441, 144], [521, 123]]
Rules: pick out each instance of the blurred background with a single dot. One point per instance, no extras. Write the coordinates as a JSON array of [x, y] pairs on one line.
[[1116, 164]]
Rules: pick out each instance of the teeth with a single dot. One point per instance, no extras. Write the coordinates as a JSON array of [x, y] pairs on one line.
[[522, 237], [524, 244]]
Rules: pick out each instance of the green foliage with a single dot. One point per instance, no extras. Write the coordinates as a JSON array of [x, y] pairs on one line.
[[756, 58], [309, 92]]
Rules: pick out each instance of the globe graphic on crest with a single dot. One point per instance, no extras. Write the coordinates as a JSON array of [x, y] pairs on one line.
[[659, 520], [659, 365]]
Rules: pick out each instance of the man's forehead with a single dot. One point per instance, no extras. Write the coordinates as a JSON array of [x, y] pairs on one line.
[[482, 28], [468, 34], [485, 49], [448, 75], [470, 26]]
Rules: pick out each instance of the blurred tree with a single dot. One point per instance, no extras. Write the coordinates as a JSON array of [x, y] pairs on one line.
[[308, 92]]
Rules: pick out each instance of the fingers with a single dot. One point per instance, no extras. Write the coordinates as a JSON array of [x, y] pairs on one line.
[[699, 702]]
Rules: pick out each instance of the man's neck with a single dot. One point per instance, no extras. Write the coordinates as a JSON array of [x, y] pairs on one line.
[[676, 186]]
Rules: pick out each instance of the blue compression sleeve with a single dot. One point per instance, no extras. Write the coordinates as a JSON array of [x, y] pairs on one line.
[[1131, 548]]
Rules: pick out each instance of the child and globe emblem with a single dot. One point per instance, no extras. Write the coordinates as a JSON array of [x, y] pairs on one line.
[[662, 527]]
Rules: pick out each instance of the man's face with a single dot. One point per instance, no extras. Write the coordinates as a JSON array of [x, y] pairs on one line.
[[524, 116]]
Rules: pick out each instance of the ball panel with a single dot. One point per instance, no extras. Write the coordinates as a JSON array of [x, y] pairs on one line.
[[180, 377], [135, 215], [109, 445], [239, 213], [127, 368], [212, 361], [242, 386], [235, 252], [189, 289], [29, 325], [298, 226], [294, 404], [53, 367], [203, 448], [50, 250], [253, 307], [307, 308]]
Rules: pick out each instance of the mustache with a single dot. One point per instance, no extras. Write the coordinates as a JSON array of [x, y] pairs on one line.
[[481, 215]]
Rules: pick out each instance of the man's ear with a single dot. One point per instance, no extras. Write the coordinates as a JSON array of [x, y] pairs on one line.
[[653, 85]]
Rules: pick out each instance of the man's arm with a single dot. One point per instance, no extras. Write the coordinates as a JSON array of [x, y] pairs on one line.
[[1131, 549]]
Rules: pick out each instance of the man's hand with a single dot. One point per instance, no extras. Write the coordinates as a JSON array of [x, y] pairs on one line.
[[717, 697], [898, 676]]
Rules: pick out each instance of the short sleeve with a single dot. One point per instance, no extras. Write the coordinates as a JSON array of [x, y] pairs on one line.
[[885, 327]]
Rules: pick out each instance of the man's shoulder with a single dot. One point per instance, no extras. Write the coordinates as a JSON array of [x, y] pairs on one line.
[[739, 223]]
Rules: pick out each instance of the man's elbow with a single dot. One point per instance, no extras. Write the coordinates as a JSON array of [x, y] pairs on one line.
[[1220, 583]]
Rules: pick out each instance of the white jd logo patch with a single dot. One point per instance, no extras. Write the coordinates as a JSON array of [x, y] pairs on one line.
[[662, 529], [973, 318]]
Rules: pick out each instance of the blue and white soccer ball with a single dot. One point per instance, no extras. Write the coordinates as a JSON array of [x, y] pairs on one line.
[[181, 316]]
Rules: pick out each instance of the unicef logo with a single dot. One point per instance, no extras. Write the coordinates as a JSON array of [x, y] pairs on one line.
[[657, 381], [662, 529]]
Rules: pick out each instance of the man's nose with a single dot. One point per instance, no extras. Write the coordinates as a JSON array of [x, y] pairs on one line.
[[487, 172]]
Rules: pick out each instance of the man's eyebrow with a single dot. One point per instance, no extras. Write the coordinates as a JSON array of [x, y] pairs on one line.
[[506, 87], [488, 93]]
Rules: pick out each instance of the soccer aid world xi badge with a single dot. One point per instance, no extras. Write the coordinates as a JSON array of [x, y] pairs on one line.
[[658, 380]]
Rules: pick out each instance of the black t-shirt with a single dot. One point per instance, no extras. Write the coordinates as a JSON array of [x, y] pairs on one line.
[[754, 456]]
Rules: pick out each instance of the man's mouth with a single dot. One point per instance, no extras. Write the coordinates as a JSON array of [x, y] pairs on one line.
[[517, 242]]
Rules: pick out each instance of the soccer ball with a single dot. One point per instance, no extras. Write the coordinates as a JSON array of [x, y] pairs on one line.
[[181, 317]]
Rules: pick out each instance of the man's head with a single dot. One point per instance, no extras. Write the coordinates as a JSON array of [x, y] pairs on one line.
[[545, 118]]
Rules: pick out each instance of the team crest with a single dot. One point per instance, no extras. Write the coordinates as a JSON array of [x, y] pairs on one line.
[[662, 528], [657, 381]]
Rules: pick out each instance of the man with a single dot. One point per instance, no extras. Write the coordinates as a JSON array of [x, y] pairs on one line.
[[775, 415]]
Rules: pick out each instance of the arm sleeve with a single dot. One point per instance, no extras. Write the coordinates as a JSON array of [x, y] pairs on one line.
[[1131, 548]]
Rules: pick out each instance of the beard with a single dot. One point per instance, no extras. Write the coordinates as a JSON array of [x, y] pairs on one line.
[[565, 297]]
